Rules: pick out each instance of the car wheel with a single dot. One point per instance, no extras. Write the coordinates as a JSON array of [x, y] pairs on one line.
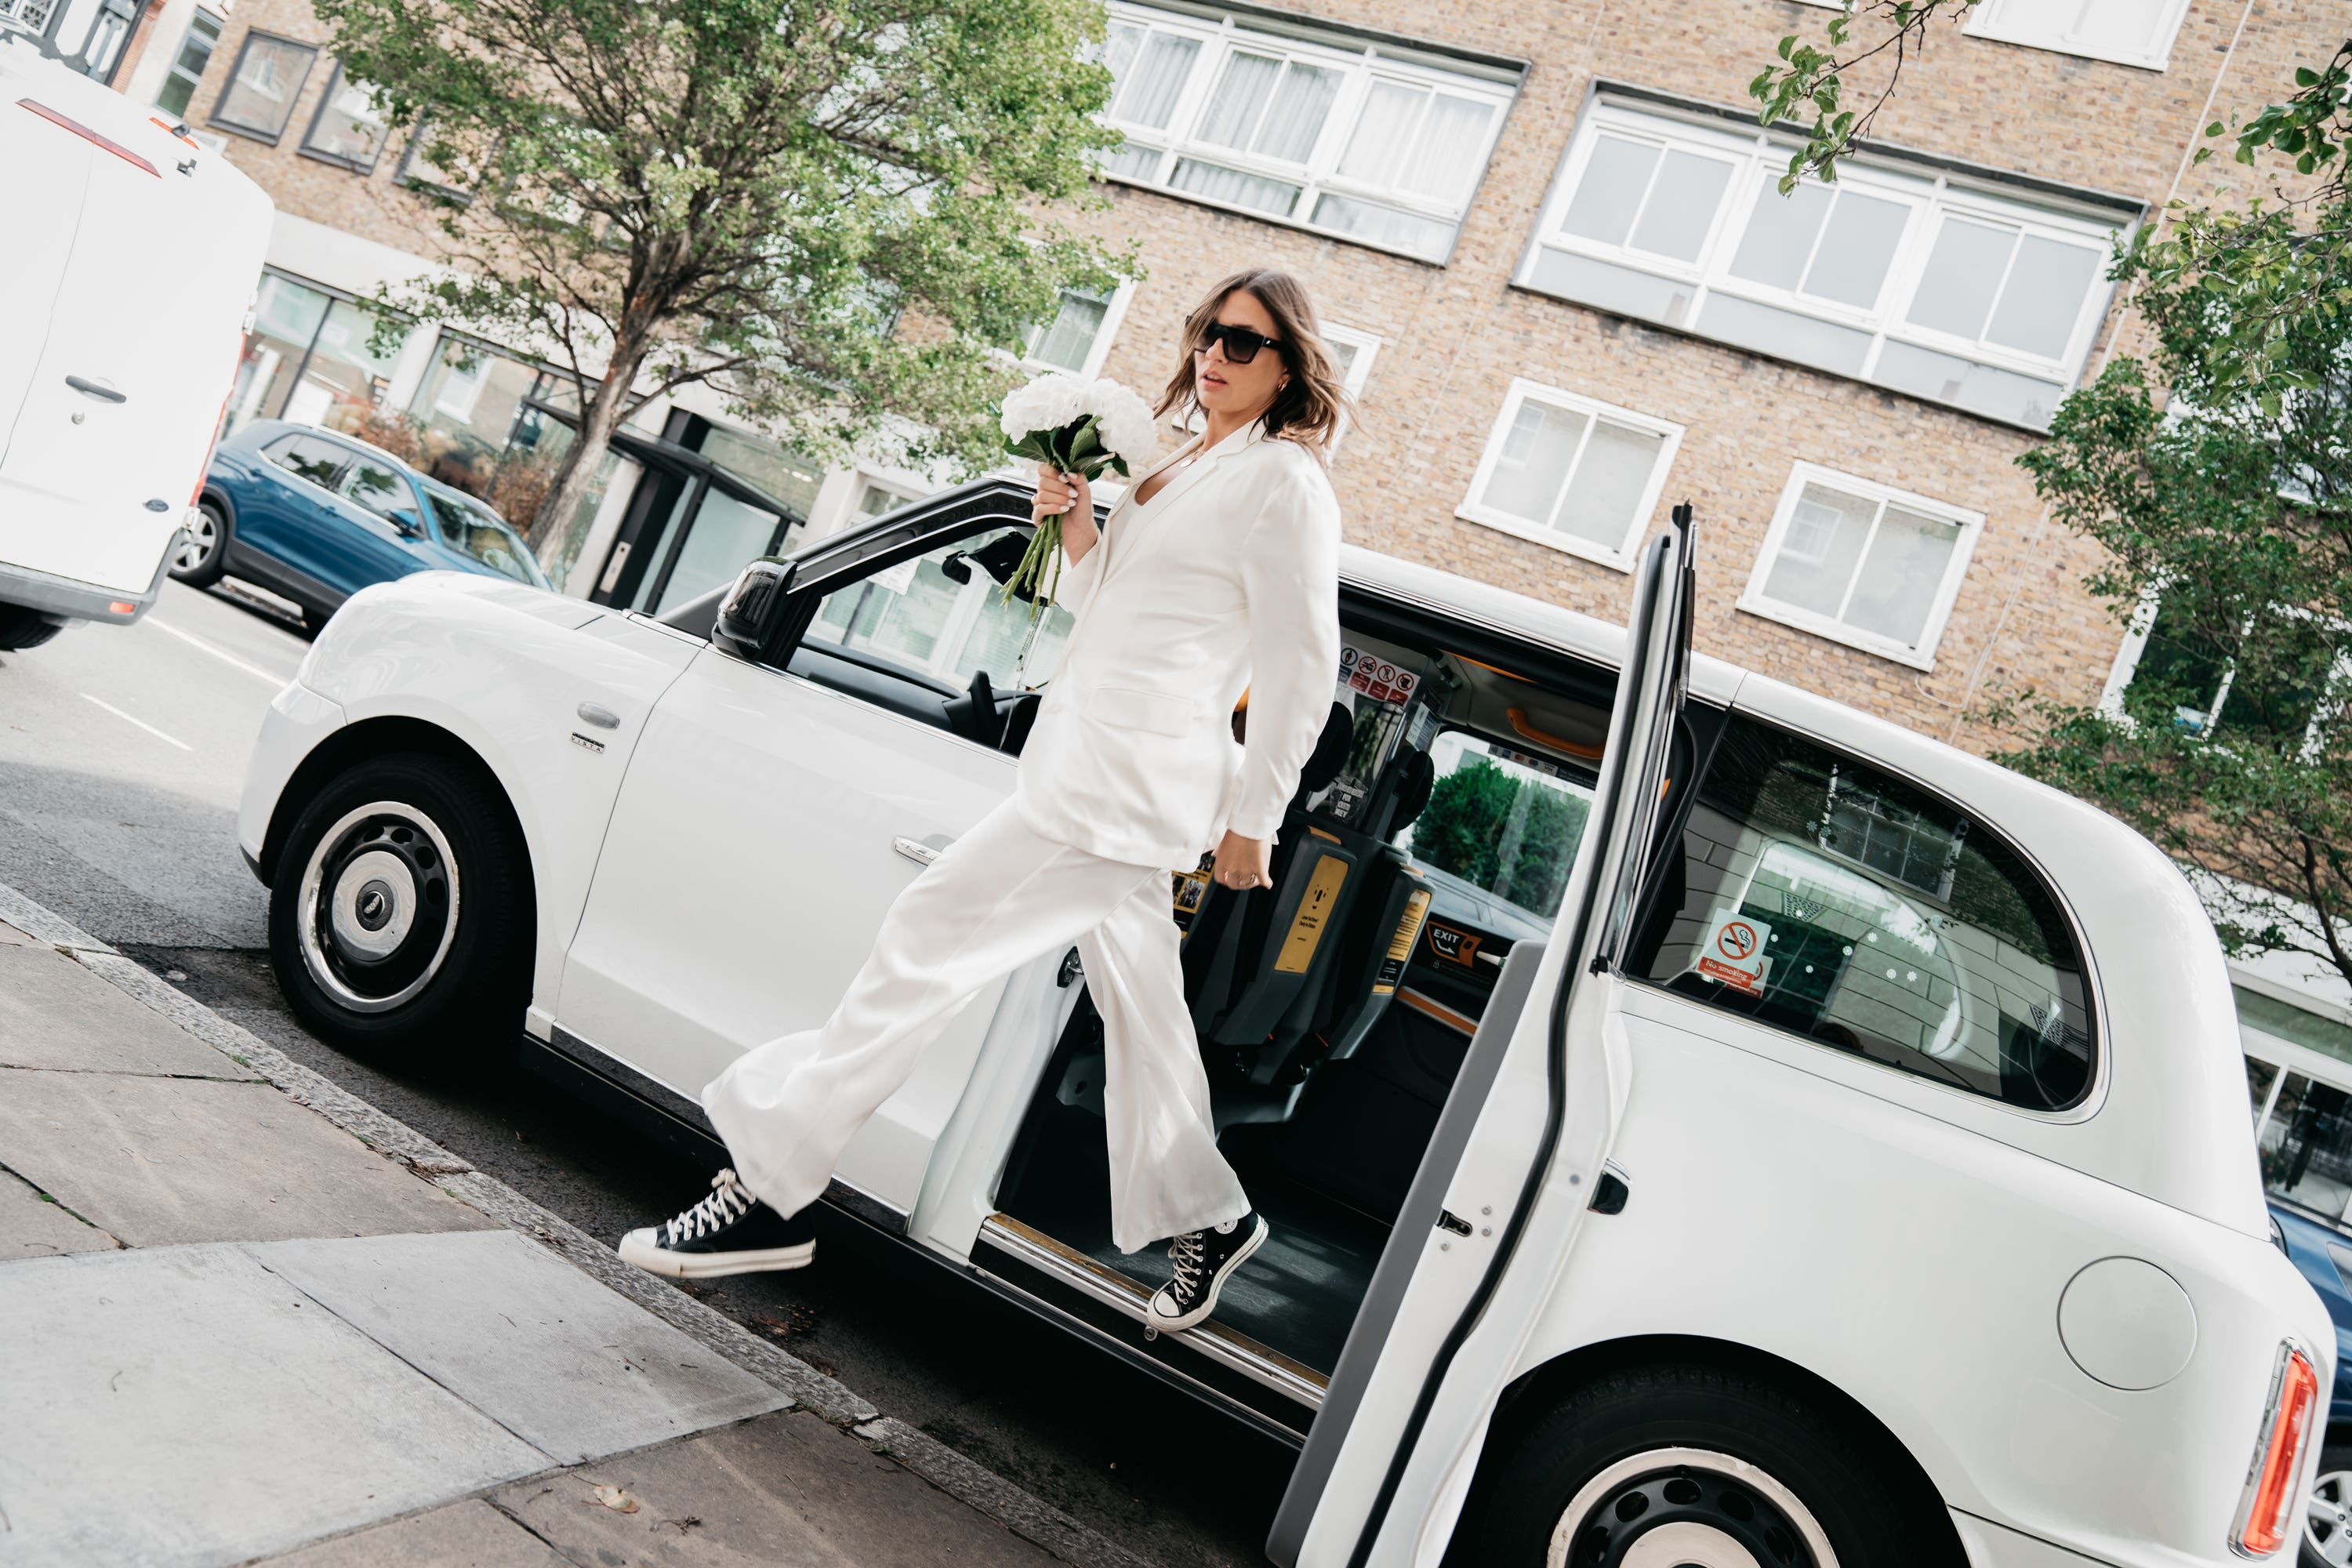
[[23, 628], [2328, 1518], [1700, 1468], [396, 908], [202, 554]]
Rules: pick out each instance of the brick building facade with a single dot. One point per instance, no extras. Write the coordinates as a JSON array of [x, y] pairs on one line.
[[1449, 296]]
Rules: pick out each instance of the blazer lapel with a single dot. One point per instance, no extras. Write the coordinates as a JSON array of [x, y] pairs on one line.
[[1165, 501]]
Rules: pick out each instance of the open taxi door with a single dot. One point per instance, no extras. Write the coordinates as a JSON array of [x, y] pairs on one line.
[[1518, 1165]]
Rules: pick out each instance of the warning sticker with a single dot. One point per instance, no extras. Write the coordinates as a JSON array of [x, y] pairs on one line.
[[1734, 952], [1375, 677]]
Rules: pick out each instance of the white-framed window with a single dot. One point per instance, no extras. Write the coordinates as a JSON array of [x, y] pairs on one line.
[[1914, 278], [187, 68], [1863, 564], [1376, 143], [1570, 472], [1079, 336], [2128, 32], [1352, 350], [2158, 644]]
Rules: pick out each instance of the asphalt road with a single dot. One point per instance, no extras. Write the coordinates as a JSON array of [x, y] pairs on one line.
[[121, 754]]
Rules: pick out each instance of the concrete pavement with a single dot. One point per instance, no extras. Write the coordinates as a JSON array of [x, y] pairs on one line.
[[247, 1316]]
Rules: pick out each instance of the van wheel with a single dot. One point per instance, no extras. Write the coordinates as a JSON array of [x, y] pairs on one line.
[[202, 554], [22, 628], [1702, 1468], [399, 910], [2328, 1518]]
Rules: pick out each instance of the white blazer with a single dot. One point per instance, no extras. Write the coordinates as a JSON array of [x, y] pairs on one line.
[[1227, 580]]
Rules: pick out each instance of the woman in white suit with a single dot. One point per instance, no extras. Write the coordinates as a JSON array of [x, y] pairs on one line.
[[1216, 574]]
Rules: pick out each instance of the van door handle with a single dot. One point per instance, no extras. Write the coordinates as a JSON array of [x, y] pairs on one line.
[[914, 849], [97, 389]]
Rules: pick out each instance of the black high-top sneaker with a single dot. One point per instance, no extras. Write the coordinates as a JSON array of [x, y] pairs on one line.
[[728, 1232], [1203, 1259]]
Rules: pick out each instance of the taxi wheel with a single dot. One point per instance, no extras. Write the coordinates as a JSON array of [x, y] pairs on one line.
[[400, 910], [2328, 1518], [200, 554], [1702, 1468]]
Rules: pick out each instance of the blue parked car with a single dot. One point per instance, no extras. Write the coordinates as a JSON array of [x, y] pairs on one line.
[[2323, 1254], [316, 517]]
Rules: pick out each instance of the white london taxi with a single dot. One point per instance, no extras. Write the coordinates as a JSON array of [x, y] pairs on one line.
[[1700, 1124]]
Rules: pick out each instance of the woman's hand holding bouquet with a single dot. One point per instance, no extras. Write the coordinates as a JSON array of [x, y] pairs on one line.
[[1070, 425]]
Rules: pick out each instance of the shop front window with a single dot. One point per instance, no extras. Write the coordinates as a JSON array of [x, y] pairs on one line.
[[344, 379], [2305, 1148], [286, 316]]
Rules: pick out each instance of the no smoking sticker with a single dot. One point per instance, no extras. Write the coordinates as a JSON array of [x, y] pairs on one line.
[[1733, 951]]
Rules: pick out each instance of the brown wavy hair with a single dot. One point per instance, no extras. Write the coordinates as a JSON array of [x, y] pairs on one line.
[[1309, 407]]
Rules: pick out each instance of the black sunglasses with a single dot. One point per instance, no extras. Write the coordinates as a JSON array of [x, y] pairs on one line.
[[1241, 343]]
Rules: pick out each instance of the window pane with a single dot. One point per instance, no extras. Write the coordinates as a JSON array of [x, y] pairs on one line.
[[286, 317], [1604, 497], [2306, 1148], [2044, 296], [1956, 290], [378, 488], [1446, 159], [1851, 266], [2180, 665], [195, 52], [1780, 234], [1370, 221], [1071, 338], [1218, 184], [347, 125], [727, 535], [1611, 191], [344, 379], [1119, 53], [1503, 822], [268, 78], [1846, 906], [1820, 549], [1676, 218], [2289, 1022], [470, 531], [1384, 132], [307, 457], [1902, 575], [1533, 464], [1241, 97], [1148, 95], [2260, 1076], [1301, 103]]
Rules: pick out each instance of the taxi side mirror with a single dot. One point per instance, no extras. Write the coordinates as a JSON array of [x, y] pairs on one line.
[[753, 612]]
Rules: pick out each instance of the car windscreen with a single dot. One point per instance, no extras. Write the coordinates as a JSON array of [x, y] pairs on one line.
[[474, 531]]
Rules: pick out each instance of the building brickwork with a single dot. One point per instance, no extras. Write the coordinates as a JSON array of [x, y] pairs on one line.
[[1454, 336]]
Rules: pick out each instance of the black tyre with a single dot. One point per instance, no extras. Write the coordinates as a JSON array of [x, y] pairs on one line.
[[1703, 1467], [201, 556], [399, 910], [2327, 1519], [24, 629]]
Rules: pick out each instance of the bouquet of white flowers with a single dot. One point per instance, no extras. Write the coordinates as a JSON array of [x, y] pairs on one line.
[[1078, 426]]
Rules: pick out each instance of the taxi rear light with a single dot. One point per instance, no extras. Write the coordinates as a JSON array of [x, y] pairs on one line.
[[2266, 1519], [87, 135], [123, 608]]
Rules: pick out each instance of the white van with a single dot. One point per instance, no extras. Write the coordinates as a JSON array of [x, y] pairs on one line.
[[1700, 1124], [131, 258]]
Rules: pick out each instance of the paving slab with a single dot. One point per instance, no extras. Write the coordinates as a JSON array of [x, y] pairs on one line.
[[158, 1160], [782, 1489], [523, 1336], [55, 1013], [11, 937], [183, 1406], [32, 1226], [470, 1534]]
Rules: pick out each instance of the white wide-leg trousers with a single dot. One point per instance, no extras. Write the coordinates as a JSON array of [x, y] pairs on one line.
[[996, 899]]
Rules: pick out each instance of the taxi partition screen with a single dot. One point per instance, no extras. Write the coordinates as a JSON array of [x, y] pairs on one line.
[[1387, 689]]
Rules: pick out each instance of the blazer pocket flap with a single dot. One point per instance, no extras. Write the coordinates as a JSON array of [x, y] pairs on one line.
[[1155, 712]]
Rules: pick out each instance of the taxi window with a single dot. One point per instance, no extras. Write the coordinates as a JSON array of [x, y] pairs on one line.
[[916, 613], [1503, 820], [1819, 895]]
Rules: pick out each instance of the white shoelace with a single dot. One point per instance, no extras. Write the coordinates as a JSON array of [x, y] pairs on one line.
[[727, 1204], [1188, 1253]]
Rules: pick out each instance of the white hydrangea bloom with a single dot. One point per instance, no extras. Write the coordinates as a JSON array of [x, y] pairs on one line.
[[1124, 420], [1048, 403]]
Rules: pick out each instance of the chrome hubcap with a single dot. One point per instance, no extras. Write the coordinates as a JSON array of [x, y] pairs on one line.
[[2328, 1517], [196, 542], [378, 906], [1686, 1508]]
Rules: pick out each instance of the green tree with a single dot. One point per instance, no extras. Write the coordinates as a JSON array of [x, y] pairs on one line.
[[832, 214], [1461, 828], [1555, 824]]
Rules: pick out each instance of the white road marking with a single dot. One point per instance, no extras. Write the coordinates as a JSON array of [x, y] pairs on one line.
[[220, 654], [142, 723]]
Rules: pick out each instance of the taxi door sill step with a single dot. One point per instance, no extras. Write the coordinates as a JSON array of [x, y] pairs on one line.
[[1226, 1346]]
